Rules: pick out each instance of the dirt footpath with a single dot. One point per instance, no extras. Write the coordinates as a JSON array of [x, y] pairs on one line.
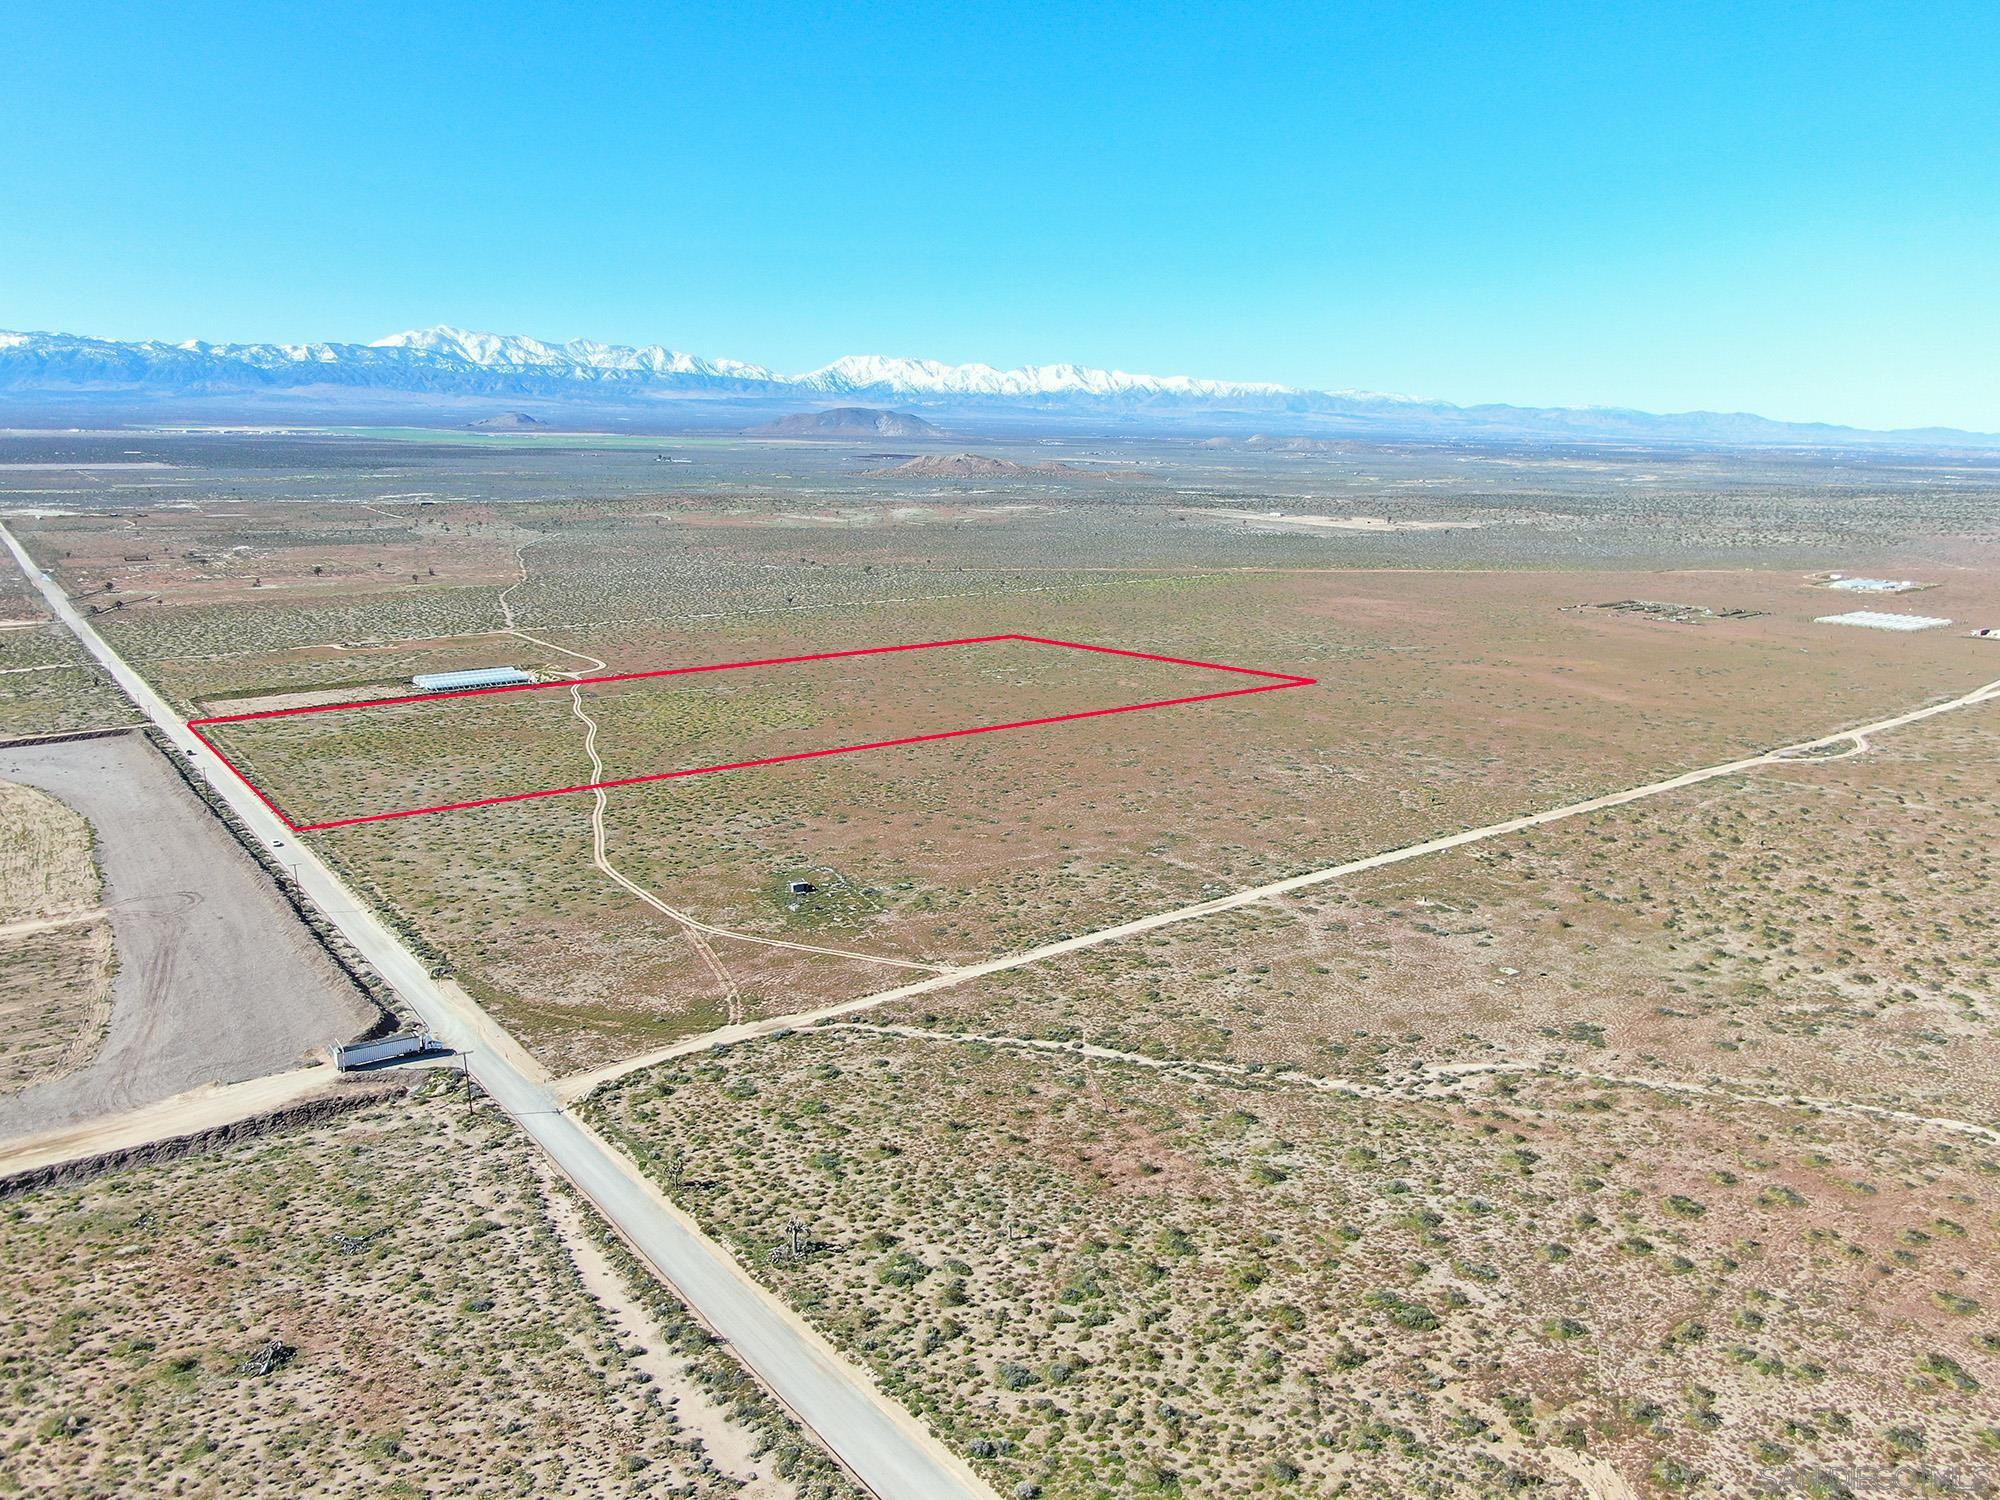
[[217, 980]]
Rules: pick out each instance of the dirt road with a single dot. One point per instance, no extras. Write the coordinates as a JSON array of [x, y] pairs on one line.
[[580, 1084], [190, 1113]]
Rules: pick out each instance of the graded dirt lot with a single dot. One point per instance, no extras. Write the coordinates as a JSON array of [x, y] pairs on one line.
[[216, 978], [394, 1302]]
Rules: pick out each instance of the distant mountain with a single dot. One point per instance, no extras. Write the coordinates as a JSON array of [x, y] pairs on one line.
[[446, 366], [983, 466], [511, 421], [579, 359], [846, 422], [435, 361], [856, 374]]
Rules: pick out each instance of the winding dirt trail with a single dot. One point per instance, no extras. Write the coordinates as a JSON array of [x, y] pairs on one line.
[[697, 931], [1429, 1083], [51, 924]]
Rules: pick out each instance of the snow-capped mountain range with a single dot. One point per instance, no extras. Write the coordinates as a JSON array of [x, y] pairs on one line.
[[850, 375], [449, 365], [579, 359], [530, 364]]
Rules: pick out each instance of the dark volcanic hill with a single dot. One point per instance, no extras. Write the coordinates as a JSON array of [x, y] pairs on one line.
[[846, 421], [509, 421], [984, 466], [951, 466]]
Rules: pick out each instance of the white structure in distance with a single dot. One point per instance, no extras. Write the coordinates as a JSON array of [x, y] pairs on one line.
[[1876, 619]]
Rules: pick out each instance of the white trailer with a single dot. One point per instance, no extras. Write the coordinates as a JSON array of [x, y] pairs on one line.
[[384, 1049]]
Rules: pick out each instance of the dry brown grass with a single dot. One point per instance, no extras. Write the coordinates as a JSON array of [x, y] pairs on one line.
[[55, 1001], [1106, 1278], [55, 980], [46, 869]]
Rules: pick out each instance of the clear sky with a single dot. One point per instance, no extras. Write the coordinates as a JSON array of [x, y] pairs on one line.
[[1786, 208]]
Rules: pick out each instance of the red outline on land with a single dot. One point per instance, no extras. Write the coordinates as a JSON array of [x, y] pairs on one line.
[[1275, 682]]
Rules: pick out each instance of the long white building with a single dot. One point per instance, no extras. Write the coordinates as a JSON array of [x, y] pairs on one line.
[[477, 677]]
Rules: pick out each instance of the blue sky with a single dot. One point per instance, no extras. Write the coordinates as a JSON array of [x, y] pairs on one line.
[[1791, 209]]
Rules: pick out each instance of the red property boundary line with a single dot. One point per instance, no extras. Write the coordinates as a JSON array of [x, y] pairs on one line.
[[1273, 682]]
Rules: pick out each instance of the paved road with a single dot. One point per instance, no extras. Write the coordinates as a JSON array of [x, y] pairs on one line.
[[888, 1449]]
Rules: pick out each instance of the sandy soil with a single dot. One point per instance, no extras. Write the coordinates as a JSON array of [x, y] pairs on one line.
[[728, 1445], [205, 1108], [1380, 525]]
